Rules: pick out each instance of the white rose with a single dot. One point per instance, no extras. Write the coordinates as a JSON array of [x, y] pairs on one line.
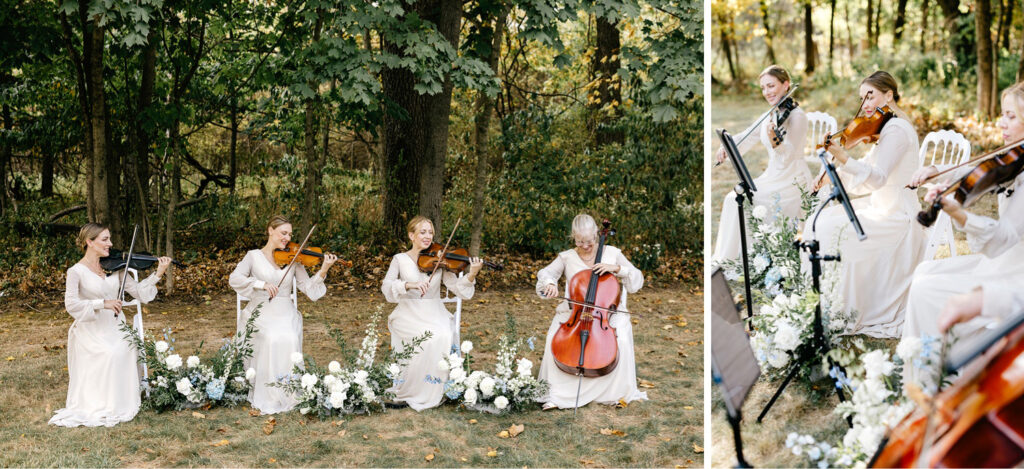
[[308, 381], [369, 395], [457, 375], [909, 348], [487, 386], [337, 400], [470, 396], [184, 386], [173, 362], [760, 263], [876, 364], [787, 337], [455, 361], [501, 402], [870, 437], [360, 377], [334, 367], [760, 212], [467, 346], [296, 358], [778, 359], [394, 369], [304, 410], [474, 378], [329, 380], [160, 346], [250, 374], [524, 366], [443, 364], [193, 361]]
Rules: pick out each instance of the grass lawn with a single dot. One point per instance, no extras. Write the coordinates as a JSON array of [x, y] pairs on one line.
[[666, 431]]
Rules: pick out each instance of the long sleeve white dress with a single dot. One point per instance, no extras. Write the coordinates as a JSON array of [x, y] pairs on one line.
[[999, 258], [278, 327], [415, 315], [874, 274], [780, 183], [621, 382], [103, 386]]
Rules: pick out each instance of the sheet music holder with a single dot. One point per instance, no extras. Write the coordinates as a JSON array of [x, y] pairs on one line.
[[733, 365], [839, 193], [745, 189]]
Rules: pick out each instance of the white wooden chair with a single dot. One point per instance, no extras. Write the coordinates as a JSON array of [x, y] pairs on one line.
[[457, 319], [239, 299], [943, 148], [818, 124]]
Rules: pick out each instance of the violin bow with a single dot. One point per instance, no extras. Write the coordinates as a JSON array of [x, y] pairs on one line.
[[929, 426], [296, 256], [757, 124], [977, 159], [445, 248], [570, 301], [127, 264]]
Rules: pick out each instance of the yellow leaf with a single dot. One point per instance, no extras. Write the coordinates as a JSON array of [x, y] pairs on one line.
[[220, 443], [198, 415], [268, 426], [610, 432], [492, 453], [666, 326], [271, 461], [601, 450], [503, 434], [646, 384], [429, 457], [688, 407], [622, 404], [254, 412], [516, 429], [697, 449], [366, 437], [10, 359], [472, 421]]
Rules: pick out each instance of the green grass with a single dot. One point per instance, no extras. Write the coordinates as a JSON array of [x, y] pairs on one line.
[[661, 432]]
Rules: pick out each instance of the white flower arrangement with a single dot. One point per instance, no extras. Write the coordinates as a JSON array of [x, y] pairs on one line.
[[174, 383], [511, 388], [358, 384]]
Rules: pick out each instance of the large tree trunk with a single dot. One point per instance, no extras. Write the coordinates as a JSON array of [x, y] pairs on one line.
[[5, 157], [901, 21], [809, 54], [1005, 21], [959, 45], [144, 137], [986, 71], [768, 38], [831, 30], [481, 137], [46, 187], [606, 96], [416, 144], [311, 191], [870, 23], [104, 168], [924, 25], [876, 28], [233, 148], [726, 48]]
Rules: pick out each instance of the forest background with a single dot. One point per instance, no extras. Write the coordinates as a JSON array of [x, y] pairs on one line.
[[198, 120]]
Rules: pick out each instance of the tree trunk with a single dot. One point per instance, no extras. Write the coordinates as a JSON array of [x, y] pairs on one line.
[[1005, 23], [831, 30], [416, 144], [901, 15], [104, 170], [311, 191], [849, 32], [5, 157], [870, 24], [144, 138], [606, 96], [46, 187], [172, 204], [768, 39], [808, 39], [924, 25], [233, 148], [959, 45], [876, 28], [724, 33], [481, 137], [986, 77]]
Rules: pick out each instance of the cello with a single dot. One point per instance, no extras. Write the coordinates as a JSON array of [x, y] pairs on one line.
[[585, 344]]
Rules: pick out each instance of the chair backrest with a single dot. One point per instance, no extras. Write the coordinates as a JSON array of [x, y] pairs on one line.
[[818, 124], [944, 148], [456, 317]]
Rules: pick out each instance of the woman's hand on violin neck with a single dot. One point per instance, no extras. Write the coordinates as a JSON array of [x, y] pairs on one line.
[[606, 268], [720, 156], [164, 262], [329, 260], [271, 290], [475, 264], [421, 286], [838, 153], [550, 291], [922, 175], [961, 308], [773, 135], [114, 305]]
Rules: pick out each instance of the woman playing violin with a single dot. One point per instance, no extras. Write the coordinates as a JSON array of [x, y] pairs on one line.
[[279, 325], [999, 244], [874, 274], [621, 382], [786, 173], [419, 310], [103, 387]]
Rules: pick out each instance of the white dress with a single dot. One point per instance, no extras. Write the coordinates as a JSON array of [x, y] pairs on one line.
[[621, 382], [874, 275], [103, 385], [278, 327], [415, 315], [1000, 258], [779, 184]]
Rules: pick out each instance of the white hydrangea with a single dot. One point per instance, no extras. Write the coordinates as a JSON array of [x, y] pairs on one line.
[[329, 380], [778, 359], [443, 364], [339, 386], [455, 361], [487, 386], [184, 386], [524, 367], [337, 399], [474, 378], [161, 381], [501, 402], [160, 346], [250, 374], [193, 361], [909, 348], [470, 396], [296, 358], [394, 369], [877, 364], [760, 263], [467, 346], [760, 212], [359, 377], [458, 375], [308, 381], [368, 394], [173, 362], [787, 337], [334, 367]]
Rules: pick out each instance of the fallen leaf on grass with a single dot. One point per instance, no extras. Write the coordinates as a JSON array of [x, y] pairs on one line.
[[10, 359], [601, 450], [667, 327], [622, 404], [697, 449], [342, 432], [150, 451], [503, 434], [222, 430], [610, 432], [463, 460], [646, 384], [366, 437], [492, 453], [472, 421], [268, 426], [271, 461], [220, 443], [338, 423], [198, 415], [687, 407], [255, 413], [429, 457], [515, 430]]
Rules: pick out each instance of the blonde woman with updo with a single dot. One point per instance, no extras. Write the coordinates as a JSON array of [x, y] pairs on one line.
[[874, 274], [279, 325], [998, 245], [419, 310], [621, 382], [103, 385]]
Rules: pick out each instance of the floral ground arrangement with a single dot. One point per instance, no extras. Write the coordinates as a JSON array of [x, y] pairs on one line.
[[874, 374], [666, 431]]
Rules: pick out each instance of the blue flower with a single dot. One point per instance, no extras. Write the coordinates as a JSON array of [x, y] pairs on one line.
[[215, 389], [841, 379], [530, 342], [772, 277], [453, 394], [431, 380]]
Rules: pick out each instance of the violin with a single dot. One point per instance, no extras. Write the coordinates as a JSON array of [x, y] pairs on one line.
[[116, 260], [976, 422], [780, 118], [989, 175], [862, 129], [785, 107], [455, 259], [586, 345]]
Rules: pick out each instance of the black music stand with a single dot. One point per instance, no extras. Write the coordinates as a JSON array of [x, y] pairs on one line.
[[818, 346], [733, 366], [745, 188]]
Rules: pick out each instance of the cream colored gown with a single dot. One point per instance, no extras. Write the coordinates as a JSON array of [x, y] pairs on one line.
[[874, 274], [780, 183], [103, 386], [999, 245], [278, 327], [413, 316], [621, 382]]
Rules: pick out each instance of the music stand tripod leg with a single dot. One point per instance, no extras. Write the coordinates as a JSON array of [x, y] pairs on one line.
[[737, 438], [740, 190]]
